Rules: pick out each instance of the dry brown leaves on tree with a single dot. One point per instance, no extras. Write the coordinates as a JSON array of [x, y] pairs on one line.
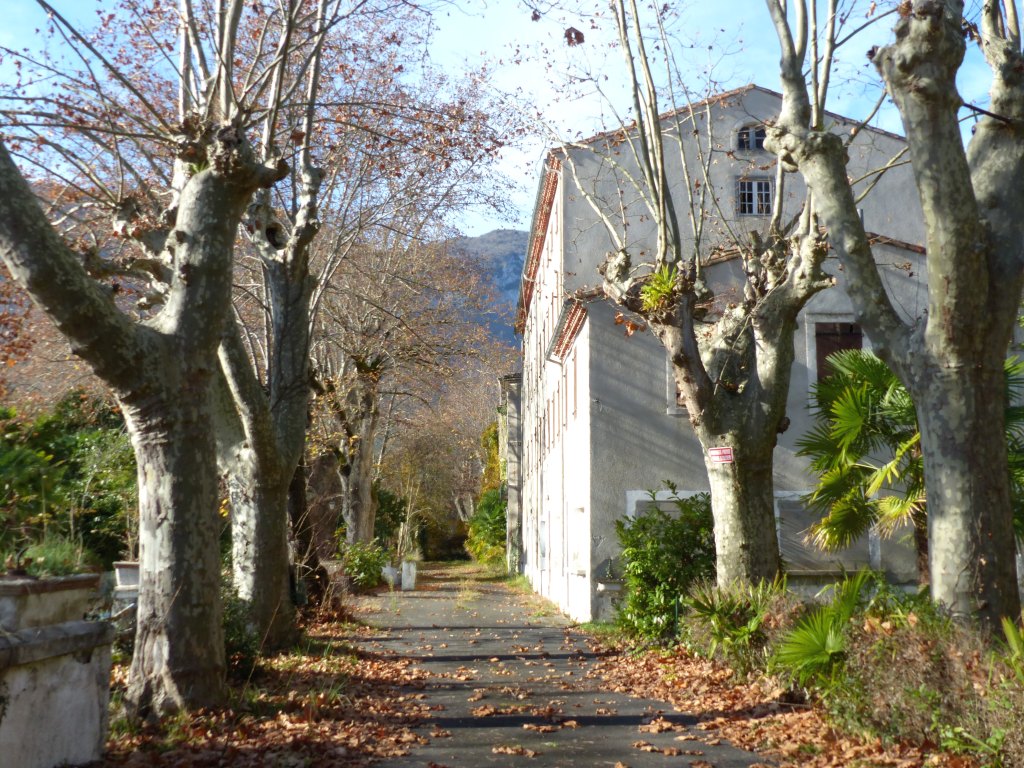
[[751, 716]]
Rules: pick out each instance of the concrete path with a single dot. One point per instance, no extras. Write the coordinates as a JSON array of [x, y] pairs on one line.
[[507, 681]]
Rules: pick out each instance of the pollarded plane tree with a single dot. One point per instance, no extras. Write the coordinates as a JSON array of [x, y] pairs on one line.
[[322, 126], [152, 184], [400, 146], [952, 360]]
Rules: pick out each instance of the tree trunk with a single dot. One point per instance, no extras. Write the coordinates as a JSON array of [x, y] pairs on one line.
[[179, 645], [307, 558], [358, 508], [743, 505], [359, 503], [961, 413], [920, 522], [259, 549], [262, 443]]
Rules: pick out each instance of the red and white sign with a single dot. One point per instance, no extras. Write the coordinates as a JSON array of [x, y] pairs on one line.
[[721, 454]]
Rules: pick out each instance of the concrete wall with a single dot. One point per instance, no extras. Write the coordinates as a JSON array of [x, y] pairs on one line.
[[54, 674]]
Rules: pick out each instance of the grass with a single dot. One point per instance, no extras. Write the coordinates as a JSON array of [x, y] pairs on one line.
[[467, 593], [519, 583]]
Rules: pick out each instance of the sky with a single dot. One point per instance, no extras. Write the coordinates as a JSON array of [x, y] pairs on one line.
[[472, 32], [729, 41]]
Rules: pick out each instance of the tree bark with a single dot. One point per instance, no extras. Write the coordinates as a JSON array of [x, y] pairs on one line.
[[307, 556], [972, 563], [257, 478], [359, 422], [259, 550], [743, 505], [179, 644], [161, 373], [267, 427], [973, 206]]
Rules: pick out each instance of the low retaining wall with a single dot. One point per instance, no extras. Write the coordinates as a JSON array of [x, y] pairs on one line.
[[54, 673]]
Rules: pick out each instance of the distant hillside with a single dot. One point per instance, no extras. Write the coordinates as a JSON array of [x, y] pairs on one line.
[[501, 253]]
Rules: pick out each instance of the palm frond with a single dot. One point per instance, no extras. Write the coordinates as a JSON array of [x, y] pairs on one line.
[[847, 520]]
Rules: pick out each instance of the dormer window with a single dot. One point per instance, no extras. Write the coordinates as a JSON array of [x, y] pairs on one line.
[[750, 137]]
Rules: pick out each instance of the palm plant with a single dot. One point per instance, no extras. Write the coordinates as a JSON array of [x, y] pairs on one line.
[[865, 449]]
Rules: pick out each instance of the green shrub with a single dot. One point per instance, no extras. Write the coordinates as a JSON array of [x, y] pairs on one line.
[[58, 556], [70, 473], [736, 623], [813, 651], [485, 541], [362, 564], [663, 554], [892, 665], [391, 510]]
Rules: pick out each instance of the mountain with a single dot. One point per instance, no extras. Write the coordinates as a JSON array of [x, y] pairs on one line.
[[501, 253]]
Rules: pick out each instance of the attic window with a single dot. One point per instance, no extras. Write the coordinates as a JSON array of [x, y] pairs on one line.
[[750, 137]]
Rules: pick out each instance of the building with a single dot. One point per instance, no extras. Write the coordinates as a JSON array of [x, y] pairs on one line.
[[599, 423]]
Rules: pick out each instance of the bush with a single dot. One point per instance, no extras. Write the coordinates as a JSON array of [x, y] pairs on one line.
[[738, 624], [362, 564], [485, 541], [663, 554], [57, 556], [813, 651], [893, 666], [391, 509], [71, 474]]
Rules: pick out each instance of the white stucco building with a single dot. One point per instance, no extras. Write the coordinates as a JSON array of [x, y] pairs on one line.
[[598, 421]]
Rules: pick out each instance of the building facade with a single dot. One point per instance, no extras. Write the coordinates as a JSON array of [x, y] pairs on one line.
[[599, 422]]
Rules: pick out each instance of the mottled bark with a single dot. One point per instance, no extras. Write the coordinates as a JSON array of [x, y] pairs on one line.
[[257, 479], [358, 420], [743, 505], [973, 206], [972, 557], [160, 373], [179, 644], [259, 551], [269, 425], [307, 555]]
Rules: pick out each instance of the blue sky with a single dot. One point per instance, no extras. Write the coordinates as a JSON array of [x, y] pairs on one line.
[[475, 31], [730, 40], [733, 39]]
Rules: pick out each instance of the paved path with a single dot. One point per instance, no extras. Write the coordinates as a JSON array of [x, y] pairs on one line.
[[507, 680]]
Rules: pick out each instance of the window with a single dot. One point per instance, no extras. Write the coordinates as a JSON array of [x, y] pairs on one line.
[[834, 337], [754, 197], [750, 137]]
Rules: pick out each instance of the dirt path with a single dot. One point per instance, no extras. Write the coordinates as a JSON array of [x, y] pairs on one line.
[[507, 683]]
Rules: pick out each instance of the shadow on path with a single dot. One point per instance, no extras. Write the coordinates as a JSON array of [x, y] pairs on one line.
[[506, 679]]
